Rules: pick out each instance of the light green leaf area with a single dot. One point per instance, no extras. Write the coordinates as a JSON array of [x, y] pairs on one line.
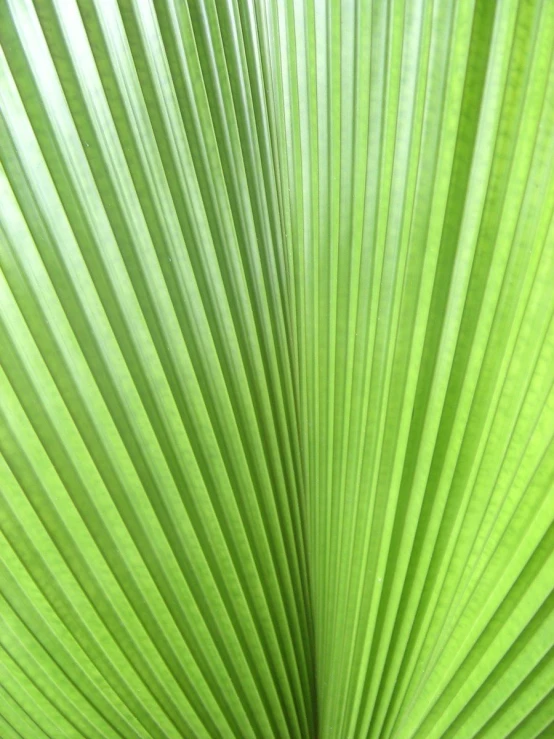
[[277, 369]]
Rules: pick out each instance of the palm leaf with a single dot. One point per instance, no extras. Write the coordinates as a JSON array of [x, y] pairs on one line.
[[276, 368]]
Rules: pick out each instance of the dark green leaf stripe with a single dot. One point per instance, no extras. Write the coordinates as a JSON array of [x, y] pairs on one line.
[[276, 368]]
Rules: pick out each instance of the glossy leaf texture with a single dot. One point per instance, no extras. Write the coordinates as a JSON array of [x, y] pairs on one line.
[[276, 368]]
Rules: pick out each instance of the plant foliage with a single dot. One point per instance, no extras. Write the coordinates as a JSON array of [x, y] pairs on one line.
[[276, 368]]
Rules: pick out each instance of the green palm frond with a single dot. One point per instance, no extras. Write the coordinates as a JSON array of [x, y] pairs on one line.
[[276, 368]]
